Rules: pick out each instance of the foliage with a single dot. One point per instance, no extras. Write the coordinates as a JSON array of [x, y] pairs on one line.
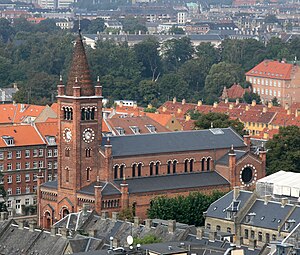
[[187, 209], [249, 97], [148, 239], [126, 214], [133, 25], [217, 120], [2, 196], [284, 151], [151, 110], [176, 30], [275, 101]]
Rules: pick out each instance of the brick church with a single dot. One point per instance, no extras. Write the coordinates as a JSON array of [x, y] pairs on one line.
[[119, 172]]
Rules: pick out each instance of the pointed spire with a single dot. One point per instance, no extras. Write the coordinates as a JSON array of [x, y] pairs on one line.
[[80, 69]]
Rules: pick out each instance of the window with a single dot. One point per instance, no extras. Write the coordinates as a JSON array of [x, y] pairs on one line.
[[27, 165], [41, 164], [267, 92], [262, 81], [120, 130], [9, 155], [208, 164], [67, 174], [35, 164], [27, 200], [270, 92], [133, 170], [9, 166], [273, 237], [27, 190], [279, 95], [218, 228], [246, 233], [252, 234], [88, 152], [27, 153], [9, 179], [157, 168], [121, 171], [18, 203], [35, 153], [279, 84], [267, 237], [18, 192], [270, 82], [254, 90], [55, 153], [1, 179], [18, 166], [27, 177], [34, 177], [140, 169], [49, 165], [203, 164], [18, 178], [9, 191], [274, 83], [258, 81], [274, 93], [169, 166], [262, 91], [191, 165], [49, 177], [228, 230], [151, 128], [135, 130], [259, 236], [8, 140], [186, 163], [116, 170], [250, 80], [18, 154], [1, 167], [174, 166], [9, 203], [49, 153], [41, 152], [254, 80], [55, 164], [151, 166], [1, 155]]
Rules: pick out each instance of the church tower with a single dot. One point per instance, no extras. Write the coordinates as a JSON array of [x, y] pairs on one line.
[[79, 127]]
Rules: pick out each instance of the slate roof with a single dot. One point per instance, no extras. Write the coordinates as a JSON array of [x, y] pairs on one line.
[[170, 182], [180, 141], [51, 185], [225, 159], [107, 189]]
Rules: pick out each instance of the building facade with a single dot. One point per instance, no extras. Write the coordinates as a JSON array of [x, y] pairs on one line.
[[120, 172]]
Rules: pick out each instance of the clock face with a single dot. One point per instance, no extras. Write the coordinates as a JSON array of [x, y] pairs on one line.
[[67, 135], [88, 135]]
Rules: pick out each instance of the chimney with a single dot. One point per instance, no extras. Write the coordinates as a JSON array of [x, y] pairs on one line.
[[85, 209], [212, 236], [270, 104], [64, 233], [230, 106], [54, 230], [200, 233], [179, 110], [183, 101], [114, 216], [264, 109], [237, 101], [247, 107], [93, 232], [215, 105], [148, 223], [253, 103], [116, 242], [199, 103], [236, 192], [136, 222], [171, 226], [286, 107], [284, 201], [232, 166], [121, 104], [288, 112], [32, 226], [3, 216], [267, 199], [247, 141], [134, 106], [174, 100], [226, 100], [164, 109], [149, 106], [21, 224]]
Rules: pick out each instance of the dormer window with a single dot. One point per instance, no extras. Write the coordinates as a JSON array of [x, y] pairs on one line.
[[120, 130], [51, 140], [249, 217], [289, 224], [151, 128], [135, 130], [9, 140]]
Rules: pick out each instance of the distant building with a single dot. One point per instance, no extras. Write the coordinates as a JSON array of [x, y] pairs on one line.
[[7, 94], [235, 91], [272, 78]]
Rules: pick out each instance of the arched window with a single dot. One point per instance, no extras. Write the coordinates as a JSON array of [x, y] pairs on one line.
[[65, 212], [87, 114], [169, 166], [65, 113], [203, 164], [140, 169], [208, 164], [186, 163], [151, 168], [88, 152], [88, 172], [82, 114], [174, 166], [48, 220], [133, 170], [67, 174], [157, 168], [67, 152], [116, 169], [191, 165], [122, 171], [71, 114], [93, 114]]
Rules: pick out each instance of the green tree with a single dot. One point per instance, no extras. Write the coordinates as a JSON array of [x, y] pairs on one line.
[[275, 101], [2, 196], [187, 209], [208, 53], [284, 151], [222, 75], [96, 25], [148, 91], [176, 30], [249, 97], [6, 30], [217, 120], [134, 25]]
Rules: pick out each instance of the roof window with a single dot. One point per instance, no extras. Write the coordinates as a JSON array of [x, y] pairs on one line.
[[120, 130], [50, 140], [135, 130], [9, 140], [151, 128]]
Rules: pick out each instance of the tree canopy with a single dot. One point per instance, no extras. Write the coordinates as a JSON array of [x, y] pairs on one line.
[[284, 150]]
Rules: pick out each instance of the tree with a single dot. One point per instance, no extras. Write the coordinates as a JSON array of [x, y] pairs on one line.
[[175, 52], [148, 239], [2, 196], [6, 30], [284, 151], [250, 96], [147, 53], [96, 25], [207, 52], [271, 18], [176, 30], [222, 75], [217, 120], [133, 25], [188, 210], [275, 101], [148, 91]]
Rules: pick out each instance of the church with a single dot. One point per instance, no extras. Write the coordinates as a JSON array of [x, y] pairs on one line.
[[114, 173]]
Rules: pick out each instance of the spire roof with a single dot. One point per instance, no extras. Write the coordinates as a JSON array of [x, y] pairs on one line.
[[79, 73]]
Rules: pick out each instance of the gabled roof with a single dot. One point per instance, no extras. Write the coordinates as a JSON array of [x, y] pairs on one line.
[[272, 69], [23, 135], [180, 141], [225, 159]]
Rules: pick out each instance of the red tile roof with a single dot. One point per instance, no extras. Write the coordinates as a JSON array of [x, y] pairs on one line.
[[272, 69], [236, 91], [47, 128]]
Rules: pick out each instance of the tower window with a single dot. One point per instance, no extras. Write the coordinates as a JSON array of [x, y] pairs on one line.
[[208, 164], [67, 174], [151, 168], [140, 169], [174, 166], [122, 171], [186, 163], [169, 166], [156, 168], [68, 113], [116, 170], [67, 152], [88, 113], [133, 170], [88, 152], [191, 165], [88, 172], [203, 164]]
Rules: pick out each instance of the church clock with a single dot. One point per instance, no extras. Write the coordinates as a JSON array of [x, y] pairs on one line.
[[67, 134], [88, 135]]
